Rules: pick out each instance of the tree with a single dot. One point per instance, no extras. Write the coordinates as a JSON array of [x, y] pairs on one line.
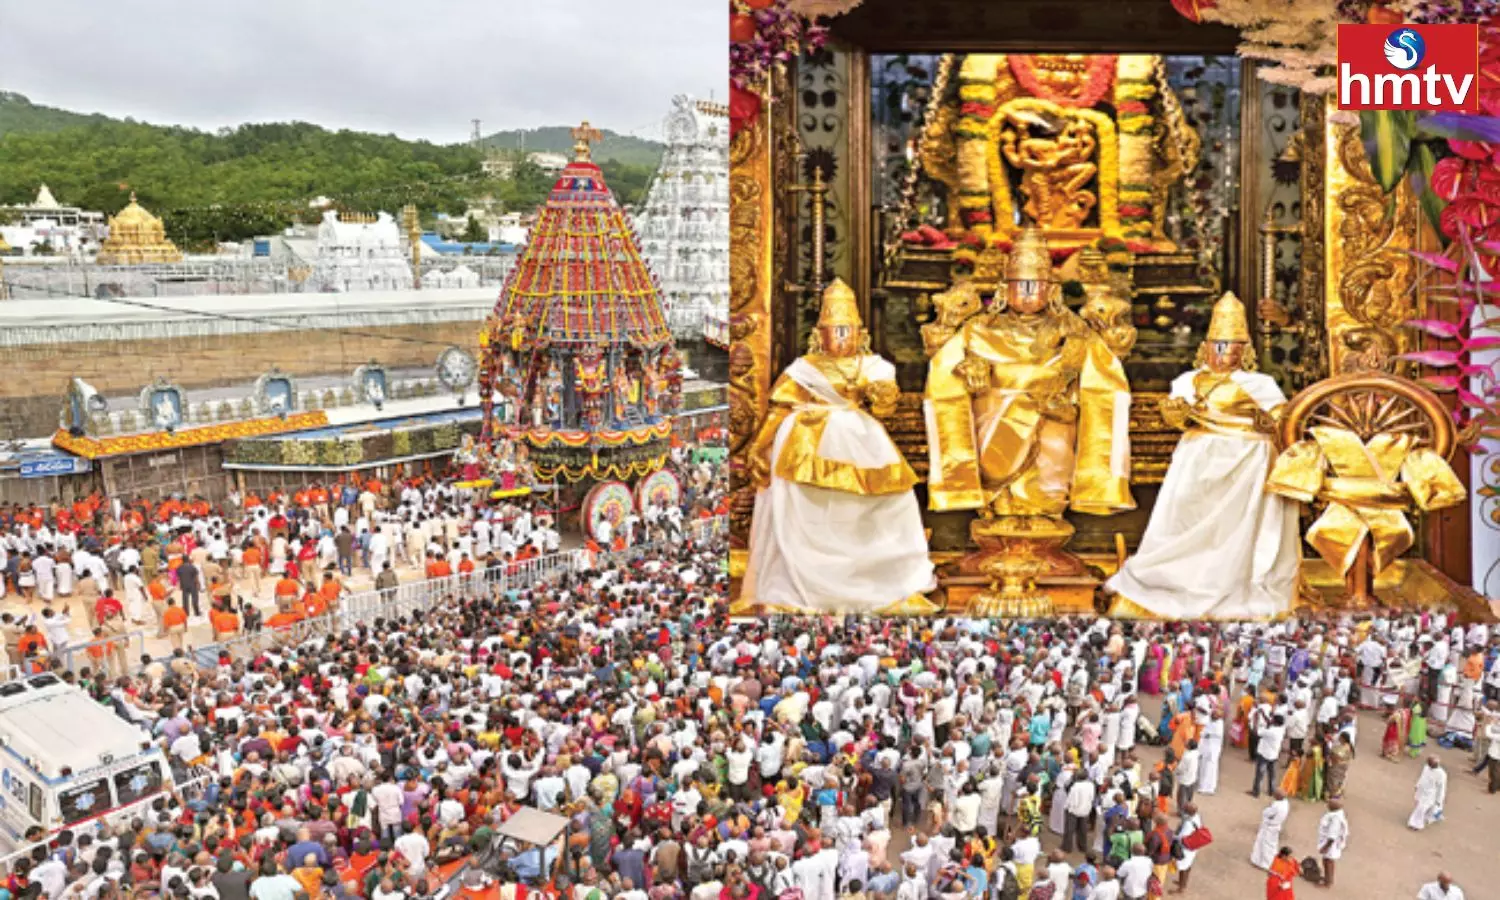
[[475, 233]]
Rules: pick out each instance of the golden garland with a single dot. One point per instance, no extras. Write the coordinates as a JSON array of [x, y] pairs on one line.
[[94, 448]]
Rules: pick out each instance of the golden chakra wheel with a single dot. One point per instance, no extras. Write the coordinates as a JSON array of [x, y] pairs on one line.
[[1368, 404]]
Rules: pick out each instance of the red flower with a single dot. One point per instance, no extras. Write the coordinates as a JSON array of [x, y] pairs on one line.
[[1452, 177], [1192, 10], [1475, 212], [744, 108], [1471, 149]]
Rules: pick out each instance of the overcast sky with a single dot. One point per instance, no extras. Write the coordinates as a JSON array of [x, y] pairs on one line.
[[419, 69]]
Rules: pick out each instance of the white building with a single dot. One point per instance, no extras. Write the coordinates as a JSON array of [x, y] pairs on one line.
[[361, 254], [551, 163], [684, 226], [68, 230]]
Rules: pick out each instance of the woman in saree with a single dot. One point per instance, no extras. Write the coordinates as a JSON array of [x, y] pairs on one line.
[[1151, 671], [1416, 732], [1281, 880], [1291, 779], [1029, 811], [1340, 755], [1311, 786], [1239, 730], [1169, 710], [1397, 722], [1184, 728]]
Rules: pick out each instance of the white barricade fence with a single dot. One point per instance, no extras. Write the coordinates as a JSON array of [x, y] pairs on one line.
[[364, 608]]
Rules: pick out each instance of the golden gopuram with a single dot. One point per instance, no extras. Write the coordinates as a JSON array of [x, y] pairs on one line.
[[1131, 309], [135, 237]]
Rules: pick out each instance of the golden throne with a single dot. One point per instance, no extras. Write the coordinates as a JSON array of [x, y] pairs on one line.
[[1365, 449]]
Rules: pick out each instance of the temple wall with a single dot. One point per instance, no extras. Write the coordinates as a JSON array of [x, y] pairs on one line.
[[120, 350]]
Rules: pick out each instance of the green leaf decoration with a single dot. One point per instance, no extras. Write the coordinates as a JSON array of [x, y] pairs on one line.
[[1422, 162], [1387, 135]]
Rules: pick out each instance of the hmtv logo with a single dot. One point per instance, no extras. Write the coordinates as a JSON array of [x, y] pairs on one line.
[[1409, 67]]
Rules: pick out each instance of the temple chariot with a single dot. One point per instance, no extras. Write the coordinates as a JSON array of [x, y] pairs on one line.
[[578, 371]]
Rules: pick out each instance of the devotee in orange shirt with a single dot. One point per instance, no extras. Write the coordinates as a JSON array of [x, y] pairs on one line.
[[290, 616], [223, 622]]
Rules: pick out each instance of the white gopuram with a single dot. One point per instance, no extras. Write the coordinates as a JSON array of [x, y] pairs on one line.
[[360, 253], [684, 227]]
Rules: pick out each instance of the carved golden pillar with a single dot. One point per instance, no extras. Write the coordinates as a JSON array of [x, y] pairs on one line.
[[752, 272], [1370, 278]]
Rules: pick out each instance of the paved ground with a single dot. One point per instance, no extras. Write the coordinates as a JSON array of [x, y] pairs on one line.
[[1384, 861]]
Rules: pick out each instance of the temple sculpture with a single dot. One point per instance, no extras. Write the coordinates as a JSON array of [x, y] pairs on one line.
[[1116, 292], [1084, 146]]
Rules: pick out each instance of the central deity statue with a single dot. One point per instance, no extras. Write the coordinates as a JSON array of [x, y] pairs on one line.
[[1028, 415]]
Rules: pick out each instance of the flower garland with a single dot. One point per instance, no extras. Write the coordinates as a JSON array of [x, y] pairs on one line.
[[976, 96], [1098, 77], [1133, 96], [763, 35]]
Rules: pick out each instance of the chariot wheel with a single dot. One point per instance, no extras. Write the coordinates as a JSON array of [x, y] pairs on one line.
[[1368, 403], [607, 501]]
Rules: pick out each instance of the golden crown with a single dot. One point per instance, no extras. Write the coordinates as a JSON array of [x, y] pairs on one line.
[[1029, 259], [840, 307], [1228, 322]]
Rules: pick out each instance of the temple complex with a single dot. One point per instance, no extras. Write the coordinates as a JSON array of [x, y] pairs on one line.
[[995, 180], [684, 227], [360, 253], [135, 237]]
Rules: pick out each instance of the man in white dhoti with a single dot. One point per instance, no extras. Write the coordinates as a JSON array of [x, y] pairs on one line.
[[1268, 839], [1210, 748], [1217, 545], [836, 528], [1333, 835], [1432, 790]]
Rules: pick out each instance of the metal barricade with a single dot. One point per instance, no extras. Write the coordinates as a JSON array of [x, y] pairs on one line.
[[415, 597], [119, 654]]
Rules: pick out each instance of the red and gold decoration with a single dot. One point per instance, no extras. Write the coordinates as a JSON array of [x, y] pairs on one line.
[[578, 352], [660, 489], [1085, 146], [608, 501], [100, 447]]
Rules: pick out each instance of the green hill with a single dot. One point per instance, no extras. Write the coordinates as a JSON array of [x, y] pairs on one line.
[[253, 179], [622, 148], [19, 114]]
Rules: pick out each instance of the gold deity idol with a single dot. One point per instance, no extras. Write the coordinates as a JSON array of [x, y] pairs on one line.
[[1028, 415], [837, 528]]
